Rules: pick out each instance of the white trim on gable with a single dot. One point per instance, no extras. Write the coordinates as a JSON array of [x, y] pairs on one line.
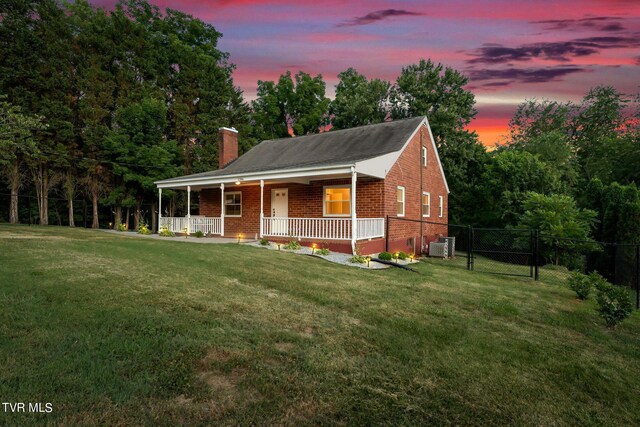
[[380, 166]]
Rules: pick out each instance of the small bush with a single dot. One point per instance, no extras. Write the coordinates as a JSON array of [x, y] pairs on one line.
[[165, 232], [264, 242], [358, 259], [143, 228], [122, 227], [323, 251], [597, 281], [614, 304], [198, 234], [293, 245], [385, 256], [580, 284], [402, 255]]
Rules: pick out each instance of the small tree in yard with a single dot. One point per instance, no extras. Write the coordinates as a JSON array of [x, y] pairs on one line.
[[614, 304], [562, 225]]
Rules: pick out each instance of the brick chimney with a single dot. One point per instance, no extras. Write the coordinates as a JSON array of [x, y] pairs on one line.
[[227, 146]]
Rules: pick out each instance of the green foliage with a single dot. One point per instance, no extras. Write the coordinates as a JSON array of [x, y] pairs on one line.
[[614, 304], [580, 284], [385, 256], [558, 219], [322, 251], [296, 103], [358, 259], [264, 242], [198, 234], [143, 228], [402, 255], [165, 232], [122, 227], [293, 245], [359, 101]]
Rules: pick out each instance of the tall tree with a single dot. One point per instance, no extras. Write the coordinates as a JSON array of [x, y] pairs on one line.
[[16, 144], [359, 101], [295, 105]]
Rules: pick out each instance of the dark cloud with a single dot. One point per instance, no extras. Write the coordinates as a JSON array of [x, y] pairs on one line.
[[511, 75], [378, 15], [637, 60], [598, 23], [558, 51]]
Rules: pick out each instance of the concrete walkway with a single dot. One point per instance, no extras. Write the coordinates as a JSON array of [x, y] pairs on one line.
[[190, 239]]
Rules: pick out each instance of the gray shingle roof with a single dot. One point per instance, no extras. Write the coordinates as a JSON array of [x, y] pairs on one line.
[[322, 149]]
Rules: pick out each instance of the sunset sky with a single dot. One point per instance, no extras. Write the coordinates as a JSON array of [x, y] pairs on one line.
[[511, 50]]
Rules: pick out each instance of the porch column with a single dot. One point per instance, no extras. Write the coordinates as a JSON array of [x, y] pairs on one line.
[[354, 223], [188, 209], [221, 209], [261, 206], [159, 208]]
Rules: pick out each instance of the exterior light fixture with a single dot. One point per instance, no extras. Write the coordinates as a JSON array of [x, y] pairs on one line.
[[411, 256], [368, 262], [396, 256], [313, 248], [237, 182], [240, 236], [279, 245]]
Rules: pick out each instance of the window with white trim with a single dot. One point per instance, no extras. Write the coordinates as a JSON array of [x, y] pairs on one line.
[[233, 203], [337, 201], [400, 199], [441, 206], [426, 204], [424, 156]]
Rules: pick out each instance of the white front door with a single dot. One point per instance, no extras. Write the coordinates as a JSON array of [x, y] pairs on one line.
[[280, 209]]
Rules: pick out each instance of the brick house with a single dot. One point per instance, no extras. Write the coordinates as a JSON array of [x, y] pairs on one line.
[[306, 187]]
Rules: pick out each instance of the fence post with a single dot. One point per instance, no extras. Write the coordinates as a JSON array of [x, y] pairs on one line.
[[472, 261], [469, 247], [637, 276], [386, 235], [536, 247], [84, 215]]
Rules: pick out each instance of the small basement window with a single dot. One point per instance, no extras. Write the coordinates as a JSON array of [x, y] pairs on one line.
[[400, 198], [337, 201], [233, 203]]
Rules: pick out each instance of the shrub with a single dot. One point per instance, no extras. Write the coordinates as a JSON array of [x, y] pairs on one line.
[[199, 234], [122, 227], [597, 281], [402, 255], [614, 304], [323, 251], [580, 284], [143, 228], [264, 242], [293, 245], [358, 259], [165, 232], [385, 256]]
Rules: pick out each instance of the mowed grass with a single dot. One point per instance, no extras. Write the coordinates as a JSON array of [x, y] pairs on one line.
[[114, 330]]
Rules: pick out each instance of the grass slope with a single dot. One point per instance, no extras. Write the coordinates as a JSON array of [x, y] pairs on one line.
[[117, 330]]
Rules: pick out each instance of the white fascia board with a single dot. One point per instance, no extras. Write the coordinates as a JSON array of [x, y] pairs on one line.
[[378, 167], [269, 175]]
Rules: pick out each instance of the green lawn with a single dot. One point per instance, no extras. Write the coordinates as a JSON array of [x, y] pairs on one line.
[[118, 330]]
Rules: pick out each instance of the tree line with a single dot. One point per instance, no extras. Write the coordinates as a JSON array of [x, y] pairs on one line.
[[104, 104]]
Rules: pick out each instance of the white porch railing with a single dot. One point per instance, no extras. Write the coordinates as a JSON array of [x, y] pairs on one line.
[[208, 225], [322, 228]]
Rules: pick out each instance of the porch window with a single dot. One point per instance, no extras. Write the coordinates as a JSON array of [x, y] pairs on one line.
[[400, 198], [337, 201], [233, 203], [426, 204]]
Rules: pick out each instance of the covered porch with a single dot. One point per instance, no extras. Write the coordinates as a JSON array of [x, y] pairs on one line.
[[318, 205]]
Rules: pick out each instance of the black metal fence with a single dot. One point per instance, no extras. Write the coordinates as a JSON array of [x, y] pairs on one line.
[[528, 253]]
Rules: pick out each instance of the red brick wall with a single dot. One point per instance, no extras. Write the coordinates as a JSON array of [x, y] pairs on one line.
[[405, 235], [227, 147]]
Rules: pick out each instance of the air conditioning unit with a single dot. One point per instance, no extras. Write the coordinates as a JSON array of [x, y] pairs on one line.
[[451, 251], [438, 249]]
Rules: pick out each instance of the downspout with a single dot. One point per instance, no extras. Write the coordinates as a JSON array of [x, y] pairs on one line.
[[421, 195]]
